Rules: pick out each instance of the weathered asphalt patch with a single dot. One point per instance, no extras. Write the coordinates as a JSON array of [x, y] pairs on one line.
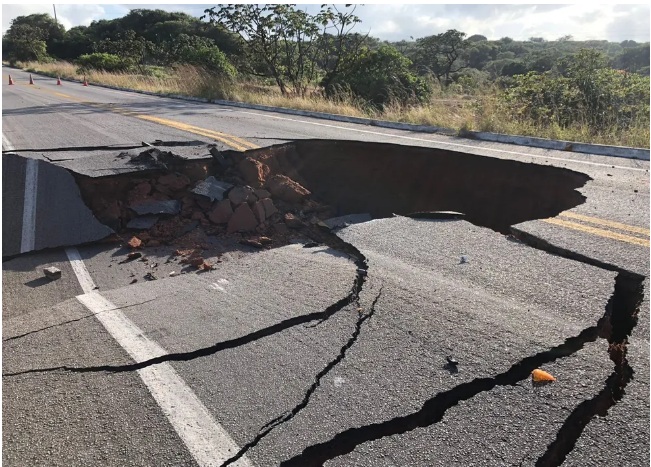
[[60, 216]]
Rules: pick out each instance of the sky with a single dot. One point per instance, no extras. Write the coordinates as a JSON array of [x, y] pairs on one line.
[[612, 22]]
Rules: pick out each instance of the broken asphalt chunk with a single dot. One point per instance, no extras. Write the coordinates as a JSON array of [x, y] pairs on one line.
[[142, 222], [212, 188], [171, 206], [52, 273], [61, 218]]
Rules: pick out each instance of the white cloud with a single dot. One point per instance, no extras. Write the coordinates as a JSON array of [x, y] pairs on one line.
[[400, 21]]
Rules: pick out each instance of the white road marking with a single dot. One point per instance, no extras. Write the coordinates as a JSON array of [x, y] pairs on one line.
[[411, 138], [205, 438], [83, 276], [27, 239], [6, 144]]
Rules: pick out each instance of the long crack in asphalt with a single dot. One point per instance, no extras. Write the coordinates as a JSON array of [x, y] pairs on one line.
[[287, 416], [352, 297], [618, 320], [615, 326]]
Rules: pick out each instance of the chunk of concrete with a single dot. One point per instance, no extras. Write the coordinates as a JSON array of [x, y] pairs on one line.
[[212, 188], [243, 220], [286, 189], [171, 206], [242, 194], [221, 213], [52, 273]]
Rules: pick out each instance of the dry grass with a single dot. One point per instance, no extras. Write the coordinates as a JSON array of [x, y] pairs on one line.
[[481, 113]]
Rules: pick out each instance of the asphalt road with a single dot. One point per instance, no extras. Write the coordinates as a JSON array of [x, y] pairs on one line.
[[250, 362]]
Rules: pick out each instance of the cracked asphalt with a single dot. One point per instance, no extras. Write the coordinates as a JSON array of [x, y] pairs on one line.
[[309, 356]]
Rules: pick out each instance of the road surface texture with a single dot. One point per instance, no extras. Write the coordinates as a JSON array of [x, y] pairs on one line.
[[408, 339]]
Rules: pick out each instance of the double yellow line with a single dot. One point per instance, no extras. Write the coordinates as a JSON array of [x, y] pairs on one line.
[[591, 225], [595, 226]]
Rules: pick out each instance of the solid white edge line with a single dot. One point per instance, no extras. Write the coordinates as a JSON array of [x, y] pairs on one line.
[[205, 438], [6, 144], [411, 138], [27, 239], [83, 276]]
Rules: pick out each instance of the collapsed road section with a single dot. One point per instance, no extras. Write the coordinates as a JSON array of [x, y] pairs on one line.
[[271, 196], [160, 196]]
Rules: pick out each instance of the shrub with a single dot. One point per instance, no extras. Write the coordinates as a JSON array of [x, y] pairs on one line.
[[381, 76], [102, 61]]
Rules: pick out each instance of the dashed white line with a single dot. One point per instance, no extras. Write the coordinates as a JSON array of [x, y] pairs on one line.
[[205, 438], [411, 138]]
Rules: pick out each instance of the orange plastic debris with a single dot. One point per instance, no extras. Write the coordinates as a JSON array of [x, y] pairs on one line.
[[135, 242], [540, 376]]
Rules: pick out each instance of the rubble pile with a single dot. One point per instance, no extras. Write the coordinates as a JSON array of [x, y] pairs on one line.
[[180, 202]]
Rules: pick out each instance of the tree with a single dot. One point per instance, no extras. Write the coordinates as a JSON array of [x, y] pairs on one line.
[[285, 44], [30, 37], [632, 59], [477, 38], [23, 42], [76, 42], [440, 55], [128, 46]]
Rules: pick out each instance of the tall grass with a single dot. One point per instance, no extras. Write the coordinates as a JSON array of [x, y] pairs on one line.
[[481, 111]]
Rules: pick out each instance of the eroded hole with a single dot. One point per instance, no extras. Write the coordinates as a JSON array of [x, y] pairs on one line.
[[272, 192]]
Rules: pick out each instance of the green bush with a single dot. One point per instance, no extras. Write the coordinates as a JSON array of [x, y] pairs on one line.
[[102, 61], [588, 93], [381, 76]]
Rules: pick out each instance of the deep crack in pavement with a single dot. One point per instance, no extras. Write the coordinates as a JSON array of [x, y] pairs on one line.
[[286, 417], [327, 171]]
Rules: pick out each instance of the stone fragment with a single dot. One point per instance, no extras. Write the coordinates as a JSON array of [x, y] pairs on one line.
[[142, 222], [139, 192], [243, 220], [286, 189], [251, 242], [253, 171], [52, 273], [264, 209], [265, 240], [134, 255], [261, 193], [241, 194], [221, 213], [212, 188], [171, 206], [175, 181], [292, 221]]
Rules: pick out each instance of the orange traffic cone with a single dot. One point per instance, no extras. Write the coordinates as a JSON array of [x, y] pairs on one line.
[[11, 81], [85, 83], [59, 81], [31, 81]]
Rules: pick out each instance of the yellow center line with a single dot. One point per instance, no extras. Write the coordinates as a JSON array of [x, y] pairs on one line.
[[598, 232], [603, 222], [230, 140]]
